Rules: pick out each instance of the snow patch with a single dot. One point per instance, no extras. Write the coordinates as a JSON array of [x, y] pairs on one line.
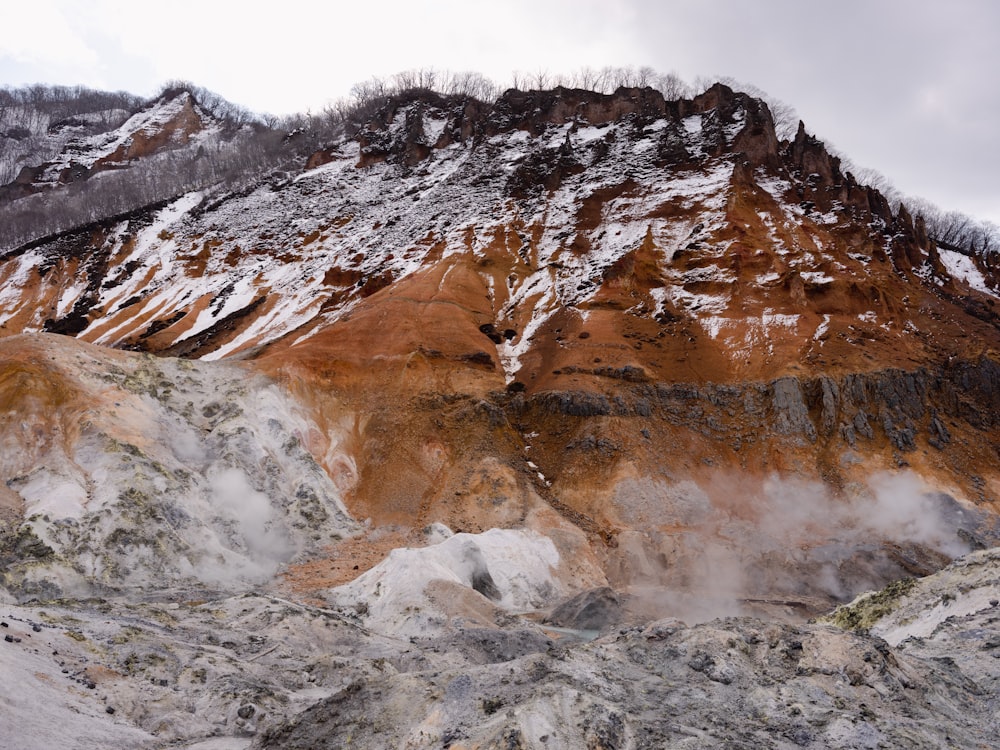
[[510, 352], [963, 268], [757, 333], [816, 277], [822, 329], [12, 290]]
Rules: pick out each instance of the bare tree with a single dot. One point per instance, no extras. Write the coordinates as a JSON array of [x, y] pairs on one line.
[[672, 87], [541, 80], [369, 90], [602, 80], [469, 83], [584, 78]]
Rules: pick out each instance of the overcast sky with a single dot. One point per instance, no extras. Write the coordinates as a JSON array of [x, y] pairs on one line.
[[908, 87]]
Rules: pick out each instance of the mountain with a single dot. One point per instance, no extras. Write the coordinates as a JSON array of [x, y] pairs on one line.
[[86, 168], [475, 380], [38, 122], [170, 122]]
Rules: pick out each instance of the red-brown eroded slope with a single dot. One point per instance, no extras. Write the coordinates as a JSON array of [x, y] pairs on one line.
[[658, 324]]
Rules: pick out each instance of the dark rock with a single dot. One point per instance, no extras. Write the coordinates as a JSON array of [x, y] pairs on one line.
[[478, 358], [491, 646], [159, 325], [861, 426], [590, 443], [808, 155], [628, 373], [491, 332], [542, 170], [574, 403], [791, 416], [481, 580], [246, 711], [605, 728], [830, 401], [595, 609], [901, 407]]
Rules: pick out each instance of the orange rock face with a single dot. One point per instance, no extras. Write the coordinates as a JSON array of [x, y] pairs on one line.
[[645, 326]]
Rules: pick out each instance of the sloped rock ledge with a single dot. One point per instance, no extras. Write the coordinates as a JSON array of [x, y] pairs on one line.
[[895, 404]]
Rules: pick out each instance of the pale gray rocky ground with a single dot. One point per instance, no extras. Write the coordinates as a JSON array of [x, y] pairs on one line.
[[192, 670]]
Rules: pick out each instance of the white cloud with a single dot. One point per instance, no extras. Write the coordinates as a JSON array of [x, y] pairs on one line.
[[299, 54], [41, 34]]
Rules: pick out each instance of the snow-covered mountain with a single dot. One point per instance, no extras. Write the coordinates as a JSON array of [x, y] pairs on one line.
[[566, 357], [692, 193], [36, 123], [174, 120]]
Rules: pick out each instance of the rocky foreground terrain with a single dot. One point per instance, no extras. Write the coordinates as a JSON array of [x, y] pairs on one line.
[[259, 671], [565, 420]]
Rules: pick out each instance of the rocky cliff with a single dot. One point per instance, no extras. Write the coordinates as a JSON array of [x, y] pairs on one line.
[[478, 373]]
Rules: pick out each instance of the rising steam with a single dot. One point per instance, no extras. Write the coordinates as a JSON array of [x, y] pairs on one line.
[[711, 550]]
